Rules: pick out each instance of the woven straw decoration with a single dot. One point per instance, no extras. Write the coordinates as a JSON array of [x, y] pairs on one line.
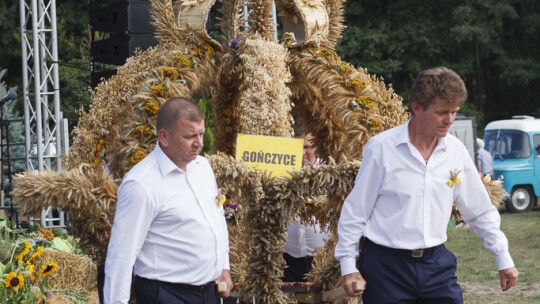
[[308, 20]]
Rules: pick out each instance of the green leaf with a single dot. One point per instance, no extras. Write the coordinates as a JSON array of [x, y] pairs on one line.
[[146, 88], [44, 286], [180, 81]]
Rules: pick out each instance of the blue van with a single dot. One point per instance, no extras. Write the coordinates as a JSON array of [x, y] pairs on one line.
[[514, 145]]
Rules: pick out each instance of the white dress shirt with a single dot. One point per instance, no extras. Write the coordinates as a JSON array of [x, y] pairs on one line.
[[401, 202], [302, 240], [167, 225]]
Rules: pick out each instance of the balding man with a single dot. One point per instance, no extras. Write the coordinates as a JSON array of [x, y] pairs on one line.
[[168, 224]]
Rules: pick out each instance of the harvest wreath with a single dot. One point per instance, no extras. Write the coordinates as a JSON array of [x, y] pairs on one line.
[[255, 83]]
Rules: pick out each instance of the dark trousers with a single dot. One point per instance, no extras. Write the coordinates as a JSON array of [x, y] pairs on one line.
[[296, 268], [100, 281], [394, 277], [157, 292]]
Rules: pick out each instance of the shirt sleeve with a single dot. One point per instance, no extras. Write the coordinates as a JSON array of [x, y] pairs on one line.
[[477, 210], [356, 210], [134, 214]]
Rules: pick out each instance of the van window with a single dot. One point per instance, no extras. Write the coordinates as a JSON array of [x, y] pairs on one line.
[[537, 143], [503, 144]]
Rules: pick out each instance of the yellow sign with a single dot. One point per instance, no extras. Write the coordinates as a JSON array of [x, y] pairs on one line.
[[275, 154]]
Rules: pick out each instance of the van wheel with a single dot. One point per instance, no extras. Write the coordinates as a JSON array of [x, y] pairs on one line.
[[521, 200]]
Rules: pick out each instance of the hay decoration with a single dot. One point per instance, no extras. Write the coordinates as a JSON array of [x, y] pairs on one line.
[[110, 104], [264, 107], [166, 29], [232, 19], [336, 25], [87, 194], [307, 20], [325, 108], [225, 105], [171, 78], [270, 203], [74, 272], [262, 26]]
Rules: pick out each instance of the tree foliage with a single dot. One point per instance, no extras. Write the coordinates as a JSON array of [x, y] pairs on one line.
[[491, 43]]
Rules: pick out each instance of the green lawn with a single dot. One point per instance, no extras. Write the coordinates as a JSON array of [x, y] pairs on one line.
[[477, 272]]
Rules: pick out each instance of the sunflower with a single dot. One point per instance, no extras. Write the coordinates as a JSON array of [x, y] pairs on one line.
[[47, 269], [14, 281], [30, 268], [22, 251], [37, 253]]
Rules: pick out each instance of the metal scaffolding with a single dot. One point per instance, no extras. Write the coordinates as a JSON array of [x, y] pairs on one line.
[[45, 129]]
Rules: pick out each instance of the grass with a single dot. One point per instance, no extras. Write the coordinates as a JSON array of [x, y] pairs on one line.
[[477, 272]]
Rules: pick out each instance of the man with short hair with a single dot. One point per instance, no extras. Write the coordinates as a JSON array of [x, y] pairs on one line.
[[485, 161], [168, 224], [402, 200]]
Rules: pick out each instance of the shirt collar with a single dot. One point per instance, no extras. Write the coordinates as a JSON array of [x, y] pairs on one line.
[[165, 164], [404, 137]]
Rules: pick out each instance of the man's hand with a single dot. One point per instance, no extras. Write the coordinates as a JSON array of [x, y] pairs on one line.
[[509, 277], [226, 278], [347, 284]]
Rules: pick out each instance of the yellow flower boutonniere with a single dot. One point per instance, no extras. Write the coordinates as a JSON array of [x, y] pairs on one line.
[[221, 200], [454, 179]]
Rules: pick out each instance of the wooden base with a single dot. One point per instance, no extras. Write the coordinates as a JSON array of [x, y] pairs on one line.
[[314, 294]]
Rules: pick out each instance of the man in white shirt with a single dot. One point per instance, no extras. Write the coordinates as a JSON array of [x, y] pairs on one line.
[[168, 225], [302, 240], [402, 201], [485, 161]]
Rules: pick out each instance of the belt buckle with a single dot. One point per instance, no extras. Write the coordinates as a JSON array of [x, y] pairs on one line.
[[418, 253]]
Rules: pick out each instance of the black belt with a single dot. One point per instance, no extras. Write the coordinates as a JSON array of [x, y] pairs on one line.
[[417, 253], [197, 288], [307, 258]]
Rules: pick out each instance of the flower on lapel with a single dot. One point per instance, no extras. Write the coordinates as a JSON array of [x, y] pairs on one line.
[[221, 200], [454, 178]]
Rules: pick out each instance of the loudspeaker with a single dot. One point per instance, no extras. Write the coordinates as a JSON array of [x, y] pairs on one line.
[[125, 17], [117, 49], [128, 23]]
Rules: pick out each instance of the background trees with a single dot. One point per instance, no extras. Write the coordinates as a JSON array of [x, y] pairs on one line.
[[492, 44]]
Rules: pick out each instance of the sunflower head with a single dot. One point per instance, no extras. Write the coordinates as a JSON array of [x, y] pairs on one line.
[[22, 249], [37, 253], [30, 268], [14, 281], [47, 269]]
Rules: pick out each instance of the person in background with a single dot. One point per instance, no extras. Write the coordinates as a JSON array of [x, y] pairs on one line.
[[168, 223], [302, 240], [485, 161], [402, 200]]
